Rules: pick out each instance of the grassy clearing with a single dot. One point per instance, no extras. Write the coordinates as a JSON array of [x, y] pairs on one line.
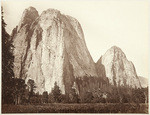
[[76, 108]]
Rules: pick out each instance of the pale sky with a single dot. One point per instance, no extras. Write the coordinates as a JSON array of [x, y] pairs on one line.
[[124, 23]]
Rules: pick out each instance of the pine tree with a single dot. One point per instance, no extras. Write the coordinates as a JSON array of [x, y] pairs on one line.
[[18, 90], [56, 93], [31, 86], [7, 65], [74, 98], [45, 97]]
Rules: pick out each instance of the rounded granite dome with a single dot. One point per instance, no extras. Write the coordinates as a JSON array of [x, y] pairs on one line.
[[116, 53], [119, 70]]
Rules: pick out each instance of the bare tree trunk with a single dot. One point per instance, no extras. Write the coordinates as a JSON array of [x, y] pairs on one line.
[[16, 99]]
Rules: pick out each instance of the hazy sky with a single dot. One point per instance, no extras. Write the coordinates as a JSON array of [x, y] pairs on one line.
[[105, 23]]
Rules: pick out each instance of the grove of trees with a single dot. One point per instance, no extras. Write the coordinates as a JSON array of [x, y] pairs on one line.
[[7, 65]]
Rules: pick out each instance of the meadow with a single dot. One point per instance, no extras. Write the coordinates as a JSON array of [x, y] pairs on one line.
[[77, 108]]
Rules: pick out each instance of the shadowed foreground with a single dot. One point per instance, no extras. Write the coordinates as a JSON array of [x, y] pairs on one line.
[[76, 108]]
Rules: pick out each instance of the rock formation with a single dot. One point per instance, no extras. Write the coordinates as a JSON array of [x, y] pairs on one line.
[[51, 48], [144, 81], [115, 66]]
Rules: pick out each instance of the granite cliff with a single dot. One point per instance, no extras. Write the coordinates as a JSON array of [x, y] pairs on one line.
[[116, 67], [51, 48]]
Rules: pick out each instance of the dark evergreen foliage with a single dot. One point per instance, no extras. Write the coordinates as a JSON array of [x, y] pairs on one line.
[[18, 90], [56, 93], [45, 97], [88, 97], [31, 87], [73, 96], [7, 65]]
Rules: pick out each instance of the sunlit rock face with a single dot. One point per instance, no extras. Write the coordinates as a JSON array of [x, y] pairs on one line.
[[118, 69], [50, 48], [144, 81]]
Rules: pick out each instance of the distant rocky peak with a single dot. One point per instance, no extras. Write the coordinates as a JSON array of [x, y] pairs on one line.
[[118, 69], [29, 15], [116, 49], [50, 13], [49, 17], [116, 53], [30, 12]]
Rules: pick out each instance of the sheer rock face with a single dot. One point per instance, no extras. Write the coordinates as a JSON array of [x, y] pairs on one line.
[[50, 48], [144, 81], [28, 16], [118, 69]]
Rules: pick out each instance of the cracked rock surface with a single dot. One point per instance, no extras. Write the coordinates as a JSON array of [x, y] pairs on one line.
[[50, 48], [118, 69]]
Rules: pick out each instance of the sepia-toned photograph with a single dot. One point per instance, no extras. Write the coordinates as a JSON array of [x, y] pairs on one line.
[[75, 56]]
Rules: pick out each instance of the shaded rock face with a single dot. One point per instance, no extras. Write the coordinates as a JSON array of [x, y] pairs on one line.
[[144, 81], [100, 68], [50, 48], [118, 69]]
